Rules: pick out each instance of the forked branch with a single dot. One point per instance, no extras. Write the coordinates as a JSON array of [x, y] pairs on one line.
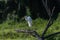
[[34, 33], [50, 22], [31, 32]]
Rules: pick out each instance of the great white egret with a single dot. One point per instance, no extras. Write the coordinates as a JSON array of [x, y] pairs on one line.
[[29, 20]]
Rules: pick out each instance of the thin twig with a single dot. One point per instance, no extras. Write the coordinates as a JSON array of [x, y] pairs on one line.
[[51, 35], [46, 7]]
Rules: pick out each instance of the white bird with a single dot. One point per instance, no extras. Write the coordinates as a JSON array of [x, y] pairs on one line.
[[29, 20]]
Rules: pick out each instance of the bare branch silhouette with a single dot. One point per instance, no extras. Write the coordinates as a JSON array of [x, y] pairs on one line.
[[32, 32], [46, 7], [51, 35], [50, 22]]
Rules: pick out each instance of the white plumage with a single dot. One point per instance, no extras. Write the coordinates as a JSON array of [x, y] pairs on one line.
[[29, 20]]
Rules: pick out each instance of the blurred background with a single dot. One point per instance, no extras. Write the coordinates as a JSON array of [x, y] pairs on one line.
[[12, 14]]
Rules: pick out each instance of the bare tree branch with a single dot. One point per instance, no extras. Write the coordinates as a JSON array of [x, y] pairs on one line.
[[31, 32], [50, 22], [51, 35], [53, 9], [46, 2], [46, 7]]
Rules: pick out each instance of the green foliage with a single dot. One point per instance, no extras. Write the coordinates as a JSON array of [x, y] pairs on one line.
[[7, 29]]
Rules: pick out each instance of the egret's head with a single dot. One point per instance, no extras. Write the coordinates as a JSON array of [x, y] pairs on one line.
[[25, 17]]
